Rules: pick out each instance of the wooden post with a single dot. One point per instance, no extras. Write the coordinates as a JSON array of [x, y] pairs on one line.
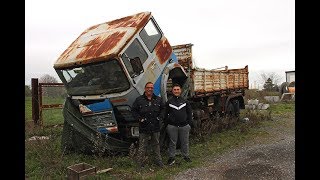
[[35, 100]]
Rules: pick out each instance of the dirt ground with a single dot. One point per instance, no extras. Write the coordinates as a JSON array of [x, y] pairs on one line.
[[262, 158]]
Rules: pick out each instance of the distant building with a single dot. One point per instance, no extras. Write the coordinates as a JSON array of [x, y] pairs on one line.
[[290, 76]]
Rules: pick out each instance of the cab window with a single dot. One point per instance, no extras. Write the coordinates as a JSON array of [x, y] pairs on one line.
[[150, 35], [134, 57]]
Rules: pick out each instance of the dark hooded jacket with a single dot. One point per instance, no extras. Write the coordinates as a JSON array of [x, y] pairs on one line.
[[178, 112], [149, 113]]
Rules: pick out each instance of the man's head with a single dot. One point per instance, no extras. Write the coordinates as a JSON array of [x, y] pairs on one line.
[[176, 90], [148, 89]]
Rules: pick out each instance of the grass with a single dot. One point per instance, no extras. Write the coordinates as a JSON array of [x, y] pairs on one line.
[[50, 116], [44, 159], [28, 108], [282, 108]]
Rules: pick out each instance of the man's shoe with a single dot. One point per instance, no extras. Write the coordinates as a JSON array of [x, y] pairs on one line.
[[171, 161], [187, 159]]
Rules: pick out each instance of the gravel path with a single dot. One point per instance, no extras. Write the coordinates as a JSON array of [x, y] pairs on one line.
[[267, 159]]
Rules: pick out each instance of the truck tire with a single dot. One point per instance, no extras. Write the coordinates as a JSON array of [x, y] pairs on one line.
[[197, 119], [233, 112], [236, 105], [230, 109]]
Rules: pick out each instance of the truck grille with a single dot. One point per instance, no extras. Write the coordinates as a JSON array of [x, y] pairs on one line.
[[102, 119]]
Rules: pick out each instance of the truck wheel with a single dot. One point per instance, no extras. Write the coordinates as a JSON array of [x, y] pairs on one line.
[[230, 109], [197, 119], [236, 106], [233, 111]]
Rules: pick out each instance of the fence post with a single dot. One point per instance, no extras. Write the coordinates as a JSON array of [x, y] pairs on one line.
[[35, 100], [40, 122]]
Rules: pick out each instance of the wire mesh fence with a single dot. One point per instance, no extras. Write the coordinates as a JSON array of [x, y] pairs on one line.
[[45, 105], [53, 97]]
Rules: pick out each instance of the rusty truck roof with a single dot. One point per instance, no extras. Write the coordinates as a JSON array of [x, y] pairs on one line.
[[102, 41]]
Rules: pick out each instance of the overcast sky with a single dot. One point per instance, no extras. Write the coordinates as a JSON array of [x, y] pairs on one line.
[[257, 33]]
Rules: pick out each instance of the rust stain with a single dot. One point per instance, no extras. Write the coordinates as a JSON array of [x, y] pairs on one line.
[[184, 55], [109, 43], [92, 45], [94, 41], [66, 52], [123, 22], [108, 38], [176, 65], [64, 55], [137, 21], [119, 100], [100, 46], [129, 21], [89, 29], [87, 52], [143, 21], [163, 50], [90, 51]]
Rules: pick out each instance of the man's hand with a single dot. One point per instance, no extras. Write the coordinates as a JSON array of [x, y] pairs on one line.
[[142, 120]]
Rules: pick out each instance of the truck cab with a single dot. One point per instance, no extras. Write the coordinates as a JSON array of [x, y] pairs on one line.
[[105, 69]]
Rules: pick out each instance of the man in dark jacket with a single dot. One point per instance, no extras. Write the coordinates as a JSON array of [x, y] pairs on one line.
[[148, 109], [178, 118]]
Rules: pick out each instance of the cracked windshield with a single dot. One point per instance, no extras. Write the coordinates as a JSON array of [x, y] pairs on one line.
[[102, 78]]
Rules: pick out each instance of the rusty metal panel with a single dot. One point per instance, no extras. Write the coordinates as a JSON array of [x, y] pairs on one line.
[[51, 84], [184, 55], [210, 81], [102, 41], [51, 106], [163, 50]]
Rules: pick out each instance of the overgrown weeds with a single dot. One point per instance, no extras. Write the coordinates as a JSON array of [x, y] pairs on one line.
[[44, 159], [251, 118]]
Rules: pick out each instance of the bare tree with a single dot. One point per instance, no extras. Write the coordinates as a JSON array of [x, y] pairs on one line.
[[270, 86], [47, 79], [27, 90], [51, 91], [274, 77]]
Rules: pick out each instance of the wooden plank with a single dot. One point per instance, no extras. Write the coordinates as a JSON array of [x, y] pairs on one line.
[[104, 170]]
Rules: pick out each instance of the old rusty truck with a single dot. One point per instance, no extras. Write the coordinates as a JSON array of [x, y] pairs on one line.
[[107, 67]]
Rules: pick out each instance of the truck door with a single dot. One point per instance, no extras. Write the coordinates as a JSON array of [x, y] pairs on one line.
[[140, 66]]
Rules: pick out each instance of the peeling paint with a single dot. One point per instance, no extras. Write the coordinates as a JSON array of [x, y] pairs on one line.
[[100, 46], [184, 55], [102, 41], [163, 50]]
